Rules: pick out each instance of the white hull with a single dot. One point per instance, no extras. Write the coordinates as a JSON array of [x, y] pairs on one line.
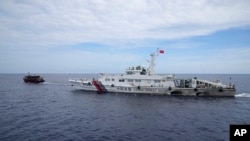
[[78, 84]]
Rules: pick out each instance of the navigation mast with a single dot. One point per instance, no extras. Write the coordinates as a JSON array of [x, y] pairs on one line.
[[151, 70]]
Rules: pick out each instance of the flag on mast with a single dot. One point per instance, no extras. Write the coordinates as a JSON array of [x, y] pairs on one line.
[[161, 51]]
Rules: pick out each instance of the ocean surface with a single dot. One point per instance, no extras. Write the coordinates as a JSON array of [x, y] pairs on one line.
[[56, 111]]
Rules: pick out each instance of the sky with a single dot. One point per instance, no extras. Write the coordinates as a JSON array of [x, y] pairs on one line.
[[108, 36]]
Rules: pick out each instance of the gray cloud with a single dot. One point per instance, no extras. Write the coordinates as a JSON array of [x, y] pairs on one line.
[[32, 29], [69, 22]]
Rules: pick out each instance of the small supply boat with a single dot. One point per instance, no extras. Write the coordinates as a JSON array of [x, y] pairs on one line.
[[33, 78]]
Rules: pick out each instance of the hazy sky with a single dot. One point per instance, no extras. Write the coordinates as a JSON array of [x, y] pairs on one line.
[[92, 36]]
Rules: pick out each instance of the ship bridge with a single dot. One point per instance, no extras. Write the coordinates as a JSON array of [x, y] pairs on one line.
[[138, 70]]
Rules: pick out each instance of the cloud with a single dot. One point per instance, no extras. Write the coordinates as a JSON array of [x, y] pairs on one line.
[[227, 60], [59, 35], [50, 23], [67, 61]]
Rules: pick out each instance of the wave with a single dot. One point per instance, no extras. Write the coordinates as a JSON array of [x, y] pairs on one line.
[[243, 95]]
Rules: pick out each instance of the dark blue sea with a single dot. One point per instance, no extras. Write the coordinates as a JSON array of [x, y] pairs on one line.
[[56, 111]]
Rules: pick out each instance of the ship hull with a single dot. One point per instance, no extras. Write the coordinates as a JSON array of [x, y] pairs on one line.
[[175, 91], [178, 91], [33, 79]]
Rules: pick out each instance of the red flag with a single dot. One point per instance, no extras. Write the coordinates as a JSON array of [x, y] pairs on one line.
[[161, 51]]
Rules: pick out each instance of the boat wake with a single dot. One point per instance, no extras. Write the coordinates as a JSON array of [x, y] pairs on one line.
[[54, 83], [243, 95]]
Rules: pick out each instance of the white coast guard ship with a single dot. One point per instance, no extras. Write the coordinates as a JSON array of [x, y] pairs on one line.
[[139, 80]]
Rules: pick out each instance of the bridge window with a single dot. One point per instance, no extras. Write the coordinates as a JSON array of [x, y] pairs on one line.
[[137, 80], [157, 81], [130, 80], [138, 68], [130, 73]]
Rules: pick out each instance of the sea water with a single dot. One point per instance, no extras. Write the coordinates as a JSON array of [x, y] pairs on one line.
[[54, 110]]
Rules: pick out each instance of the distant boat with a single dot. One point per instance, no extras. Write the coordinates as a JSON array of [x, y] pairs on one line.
[[33, 78]]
